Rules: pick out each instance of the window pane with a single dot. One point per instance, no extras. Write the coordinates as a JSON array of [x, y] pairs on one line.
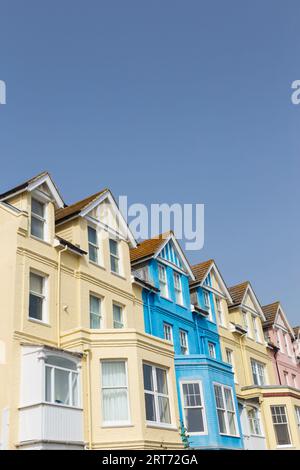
[[228, 399], [148, 379], [36, 283], [219, 396], [117, 316], [164, 410], [37, 207], [95, 321], [115, 405], [37, 228], [93, 254], [194, 420], [161, 378], [114, 374], [35, 307], [92, 235], [150, 407], [231, 421], [48, 384], [114, 263], [282, 434], [61, 386], [113, 246], [221, 419], [95, 304], [61, 362], [75, 389]]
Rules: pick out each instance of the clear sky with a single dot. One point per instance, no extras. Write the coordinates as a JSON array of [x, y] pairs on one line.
[[166, 101]]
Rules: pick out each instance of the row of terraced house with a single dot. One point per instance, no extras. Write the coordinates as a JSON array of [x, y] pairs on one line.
[[106, 343]]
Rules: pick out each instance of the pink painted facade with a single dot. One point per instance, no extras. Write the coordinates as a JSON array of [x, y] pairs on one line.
[[283, 346]]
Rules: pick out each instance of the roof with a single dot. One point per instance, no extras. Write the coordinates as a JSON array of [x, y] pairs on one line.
[[23, 185], [270, 312], [148, 248], [75, 209], [238, 291], [200, 270]]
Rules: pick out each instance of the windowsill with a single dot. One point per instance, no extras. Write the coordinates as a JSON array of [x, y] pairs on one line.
[[39, 322], [181, 305], [97, 265], [46, 403], [230, 435], [118, 275], [258, 435], [46, 242], [117, 425], [287, 446], [150, 424], [205, 433], [166, 298]]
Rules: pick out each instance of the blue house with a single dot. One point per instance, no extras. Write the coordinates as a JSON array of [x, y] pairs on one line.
[[180, 305]]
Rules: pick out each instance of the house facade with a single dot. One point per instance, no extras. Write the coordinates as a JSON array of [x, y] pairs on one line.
[[73, 347], [180, 306]]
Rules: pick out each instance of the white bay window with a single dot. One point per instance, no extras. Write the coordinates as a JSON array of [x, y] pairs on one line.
[[225, 410], [61, 381]]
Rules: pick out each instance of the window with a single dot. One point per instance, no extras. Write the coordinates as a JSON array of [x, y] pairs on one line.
[[220, 311], [230, 360], [95, 312], [286, 343], [38, 219], [254, 422], [156, 395], [212, 350], [280, 424], [225, 410], [115, 408], [206, 299], [183, 342], [279, 340], [168, 332], [256, 328], [294, 381], [61, 381], [245, 322], [118, 320], [178, 288], [286, 377], [163, 284], [37, 298], [93, 245], [258, 372], [193, 407], [114, 256], [297, 410]]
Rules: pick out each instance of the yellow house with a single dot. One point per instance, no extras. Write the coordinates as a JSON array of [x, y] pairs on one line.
[[269, 413], [76, 368]]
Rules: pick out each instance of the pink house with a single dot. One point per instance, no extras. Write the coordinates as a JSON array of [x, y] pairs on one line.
[[281, 338]]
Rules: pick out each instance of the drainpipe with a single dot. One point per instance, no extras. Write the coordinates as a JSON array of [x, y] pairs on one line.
[[59, 295], [87, 355], [277, 368]]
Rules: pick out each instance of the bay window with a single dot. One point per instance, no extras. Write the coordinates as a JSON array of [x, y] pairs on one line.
[[38, 218], [280, 424], [163, 283], [61, 381], [193, 407], [225, 410], [115, 403], [37, 297], [156, 395]]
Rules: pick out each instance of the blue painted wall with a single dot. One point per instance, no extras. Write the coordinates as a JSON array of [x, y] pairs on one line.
[[197, 365]]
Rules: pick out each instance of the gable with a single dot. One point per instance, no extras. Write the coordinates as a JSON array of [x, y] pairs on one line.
[[282, 321], [169, 253], [214, 281], [250, 300]]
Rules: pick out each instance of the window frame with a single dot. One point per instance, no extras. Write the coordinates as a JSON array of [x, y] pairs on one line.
[[43, 219], [212, 349], [156, 395], [71, 372], [178, 288], [44, 296], [164, 282], [202, 407], [220, 312], [113, 424], [122, 309], [231, 362], [167, 325], [100, 299], [94, 245], [297, 411], [184, 334], [256, 330], [254, 362], [223, 387], [276, 424], [254, 422], [115, 256]]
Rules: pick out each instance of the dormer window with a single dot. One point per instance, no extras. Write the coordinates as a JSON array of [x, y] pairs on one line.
[[114, 256], [93, 245], [207, 303], [38, 218], [163, 283], [178, 288]]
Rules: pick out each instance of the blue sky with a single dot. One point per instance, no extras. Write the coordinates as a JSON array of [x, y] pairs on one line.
[[166, 101]]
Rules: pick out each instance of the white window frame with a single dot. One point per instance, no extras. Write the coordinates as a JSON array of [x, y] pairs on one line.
[[112, 424], [100, 299], [115, 256], [212, 350], [255, 422], [71, 372], [223, 387], [287, 345], [43, 219], [286, 422], [286, 378], [94, 245], [43, 296], [168, 331], [294, 379], [178, 288], [202, 407], [185, 343], [122, 322], [255, 365], [256, 329], [156, 395], [163, 280], [297, 411], [206, 299], [220, 312], [230, 359]]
